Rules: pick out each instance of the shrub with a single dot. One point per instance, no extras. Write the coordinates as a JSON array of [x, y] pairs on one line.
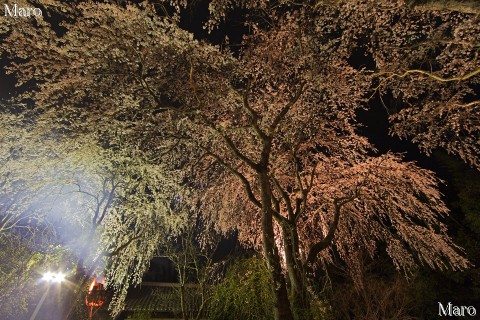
[[245, 293]]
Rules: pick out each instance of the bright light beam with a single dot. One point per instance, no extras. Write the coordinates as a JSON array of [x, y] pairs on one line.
[[48, 277], [59, 277], [53, 277]]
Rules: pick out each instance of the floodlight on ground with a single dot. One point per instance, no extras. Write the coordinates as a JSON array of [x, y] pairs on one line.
[[53, 277], [59, 277], [50, 277]]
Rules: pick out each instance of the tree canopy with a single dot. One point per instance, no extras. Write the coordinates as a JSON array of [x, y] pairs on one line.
[[265, 142]]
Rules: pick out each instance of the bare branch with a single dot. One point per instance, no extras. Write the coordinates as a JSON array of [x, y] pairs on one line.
[[452, 5], [85, 192], [438, 78]]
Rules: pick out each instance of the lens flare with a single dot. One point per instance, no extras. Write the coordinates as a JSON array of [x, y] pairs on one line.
[[53, 277], [59, 277], [48, 276]]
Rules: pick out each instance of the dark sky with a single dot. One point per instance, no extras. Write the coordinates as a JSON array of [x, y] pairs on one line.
[[7, 82]]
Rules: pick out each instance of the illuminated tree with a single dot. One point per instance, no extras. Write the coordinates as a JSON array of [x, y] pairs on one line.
[[426, 73], [266, 143], [21, 180], [24, 256], [423, 58], [82, 190]]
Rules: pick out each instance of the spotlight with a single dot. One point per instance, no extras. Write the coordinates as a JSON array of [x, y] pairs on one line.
[[59, 277], [53, 277], [48, 276]]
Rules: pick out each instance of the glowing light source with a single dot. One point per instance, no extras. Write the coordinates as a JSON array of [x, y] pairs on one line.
[[60, 277], [47, 276], [95, 297], [53, 277], [90, 288]]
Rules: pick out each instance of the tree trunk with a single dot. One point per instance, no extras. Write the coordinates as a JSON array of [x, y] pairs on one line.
[[282, 310], [183, 303], [298, 292], [80, 279]]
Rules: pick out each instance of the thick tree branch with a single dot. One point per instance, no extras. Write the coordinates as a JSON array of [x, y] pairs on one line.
[[238, 154], [276, 204], [287, 200], [438, 78], [301, 203], [297, 173], [111, 196], [423, 72], [242, 178], [230, 144], [140, 77], [312, 176], [285, 109], [219, 131], [428, 74], [298, 207], [85, 192], [338, 203], [327, 240], [123, 246], [254, 116], [471, 7]]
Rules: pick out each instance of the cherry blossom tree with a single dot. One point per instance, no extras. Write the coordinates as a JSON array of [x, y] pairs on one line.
[[424, 56], [22, 180], [267, 143], [83, 191], [424, 67]]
